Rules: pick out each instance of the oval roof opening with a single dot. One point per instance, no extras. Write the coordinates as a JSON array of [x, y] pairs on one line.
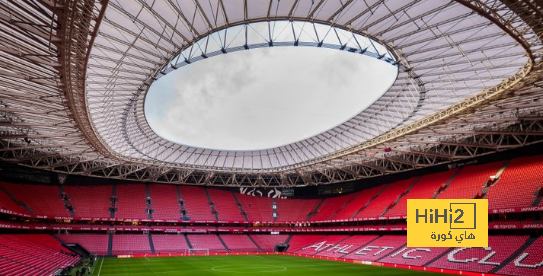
[[264, 98]]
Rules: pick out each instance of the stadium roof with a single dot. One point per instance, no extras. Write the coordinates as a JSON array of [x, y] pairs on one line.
[[75, 74]]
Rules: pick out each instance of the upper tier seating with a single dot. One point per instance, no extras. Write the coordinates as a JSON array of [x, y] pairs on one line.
[[7, 203], [165, 202], [90, 201], [170, 243], [295, 209], [330, 206], [528, 263], [131, 202], [425, 188], [196, 203], [32, 255], [94, 243], [471, 259], [517, 184], [257, 208], [226, 205], [470, 181], [41, 199], [268, 242], [386, 198], [130, 244], [239, 243], [359, 202]]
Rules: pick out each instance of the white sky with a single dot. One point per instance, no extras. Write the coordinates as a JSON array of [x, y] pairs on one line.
[[264, 98]]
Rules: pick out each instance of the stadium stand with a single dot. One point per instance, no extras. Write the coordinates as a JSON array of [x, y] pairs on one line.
[[33, 255], [426, 187], [529, 262], [130, 244], [332, 205], [165, 202], [7, 203], [41, 199], [257, 208], [95, 243], [481, 259], [131, 201], [174, 243], [353, 207], [268, 242], [196, 203], [386, 198], [352, 243], [378, 248], [414, 256], [298, 242], [90, 201], [239, 243], [295, 209], [470, 181], [225, 204], [525, 174], [323, 244], [206, 242]]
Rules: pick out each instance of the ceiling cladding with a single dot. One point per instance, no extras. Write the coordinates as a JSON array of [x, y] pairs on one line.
[[83, 67]]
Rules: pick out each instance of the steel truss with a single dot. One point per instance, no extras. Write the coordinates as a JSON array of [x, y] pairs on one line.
[[54, 65]]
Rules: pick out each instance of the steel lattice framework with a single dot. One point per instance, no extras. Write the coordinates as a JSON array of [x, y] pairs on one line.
[[73, 76]]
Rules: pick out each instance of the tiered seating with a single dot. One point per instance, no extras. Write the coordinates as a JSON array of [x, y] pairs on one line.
[[426, 187], [529, 262], [470, 181], [36, 255], [165, 202], [347, 245], [210, 242], [94, 243], [470, 259], [170, 243], [362, 198], [330, 206], [257, 208], [41, 199], [130, 244], [378, 248], [239, 243], [7, 204], [268, 242], [90, 201], [226, 205], [387, 197], [298, 242], [131, 201], [517, 184], [295, 209], [414, 255], [323, 244], [196, 203]]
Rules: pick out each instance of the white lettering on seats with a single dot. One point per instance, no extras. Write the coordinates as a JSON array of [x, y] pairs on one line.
[[524, 256], [406, 254]]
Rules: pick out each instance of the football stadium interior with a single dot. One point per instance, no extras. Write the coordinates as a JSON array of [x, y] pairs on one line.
[[88, 185]]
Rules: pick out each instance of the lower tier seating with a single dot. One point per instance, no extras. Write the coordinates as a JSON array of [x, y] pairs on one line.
[[33, 255], [94, 243], [508, 255]]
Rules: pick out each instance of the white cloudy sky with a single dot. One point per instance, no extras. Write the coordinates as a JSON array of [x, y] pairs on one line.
[[263, 98]]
